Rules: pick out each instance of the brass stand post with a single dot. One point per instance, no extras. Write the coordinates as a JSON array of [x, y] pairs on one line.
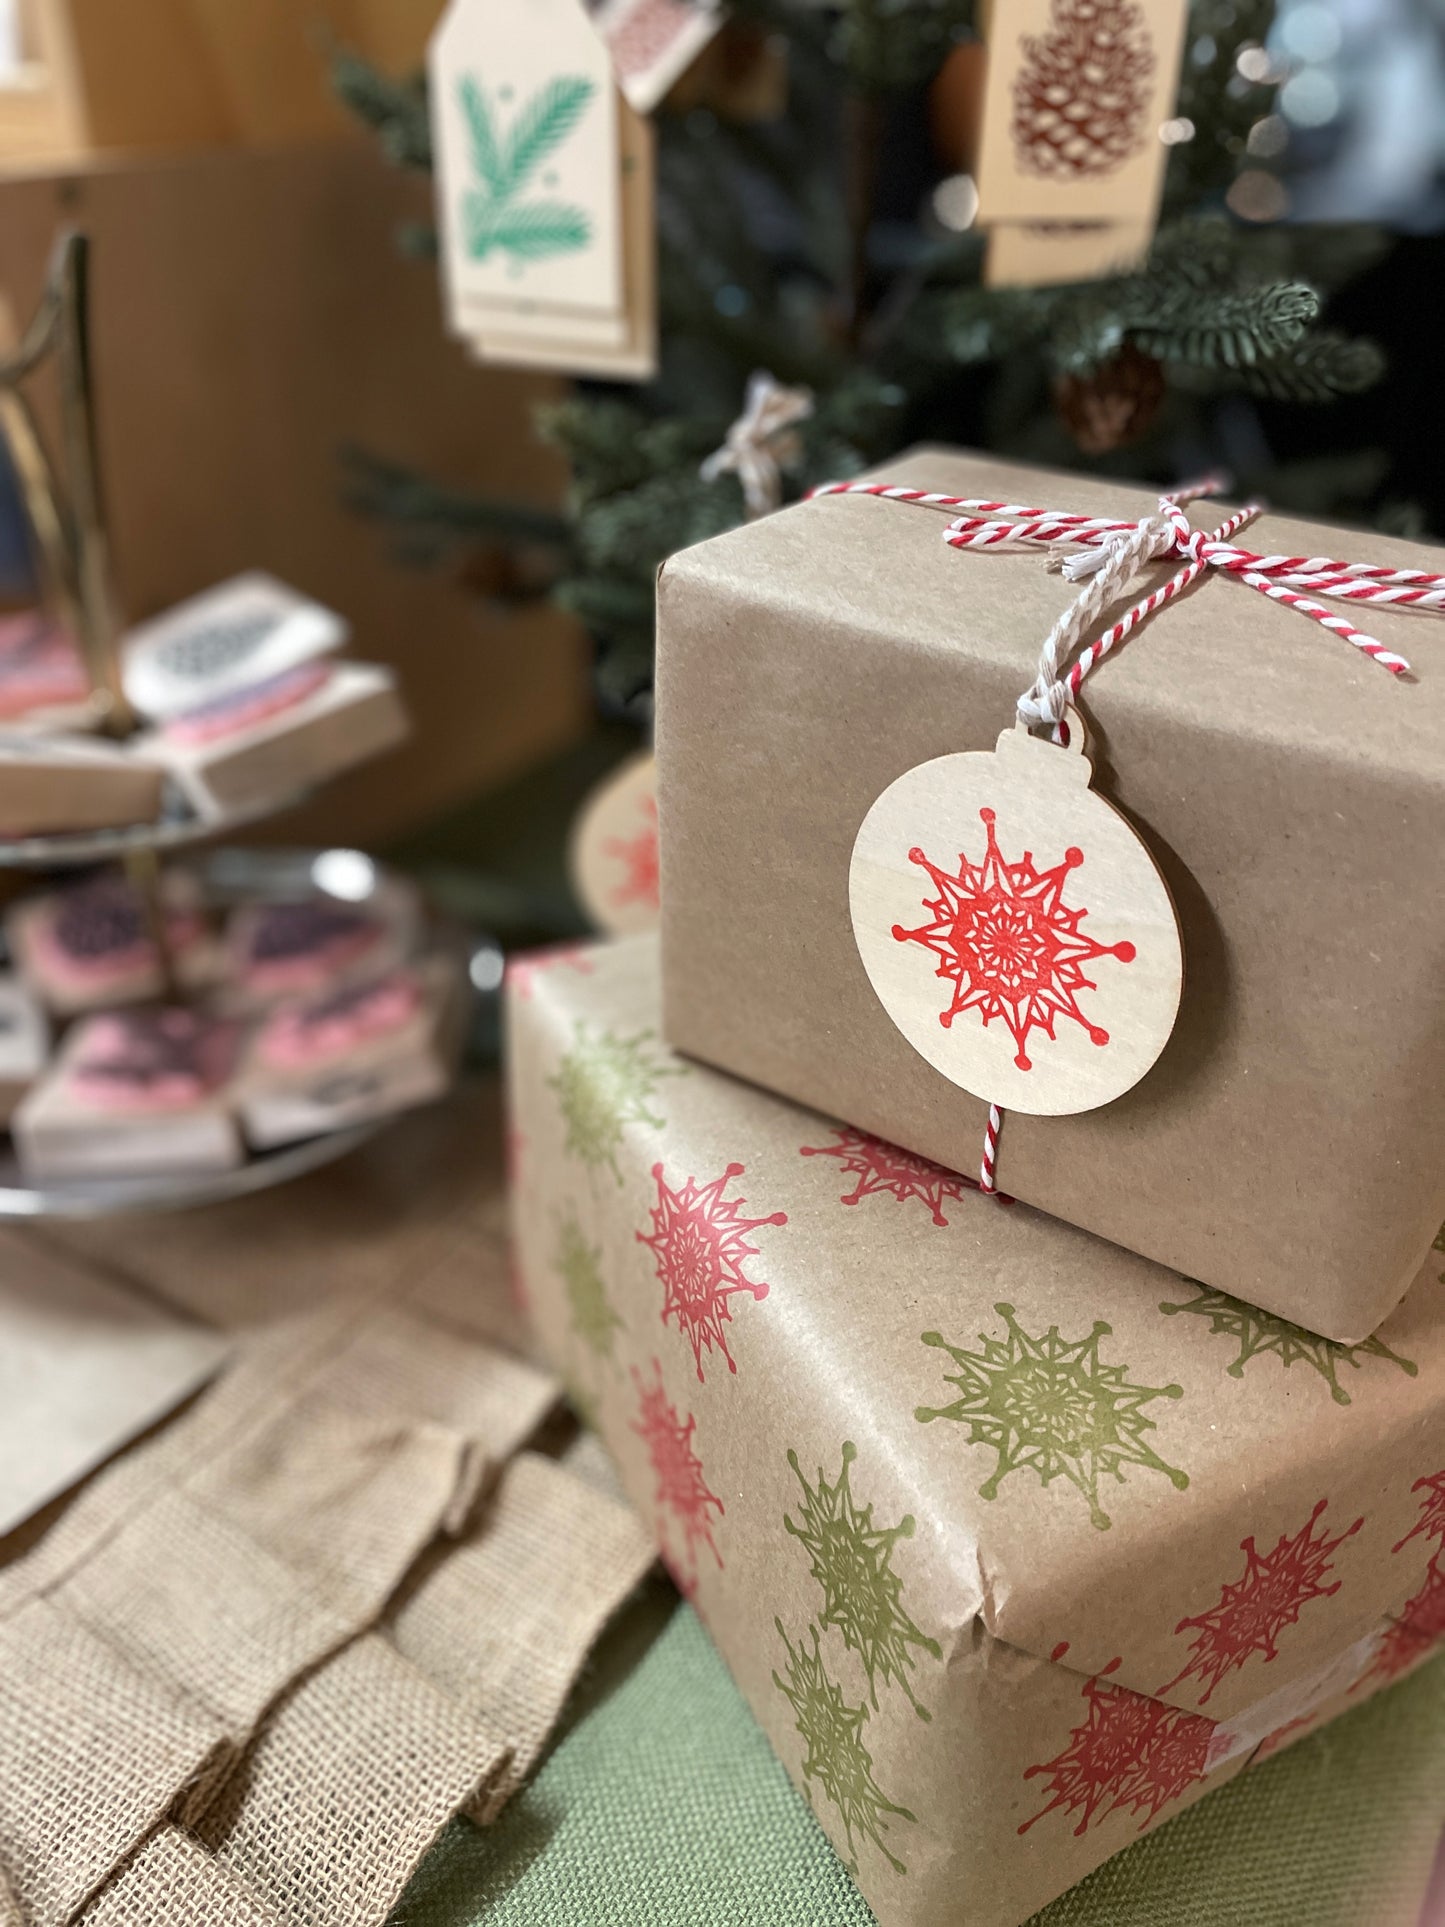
[[69, 524]]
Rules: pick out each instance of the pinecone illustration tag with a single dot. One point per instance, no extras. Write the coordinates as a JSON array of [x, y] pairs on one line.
[[1077, 91], [1015, 928]]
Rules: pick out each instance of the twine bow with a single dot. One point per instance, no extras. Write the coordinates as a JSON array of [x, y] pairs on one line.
[[761, 443], [1108, 557]]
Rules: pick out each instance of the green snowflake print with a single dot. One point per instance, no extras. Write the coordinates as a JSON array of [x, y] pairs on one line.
[[1051, 1406], [604, 1083], [580, 1267], [1259, 1336], [494, 217], [834, 1756], [862, 1595]]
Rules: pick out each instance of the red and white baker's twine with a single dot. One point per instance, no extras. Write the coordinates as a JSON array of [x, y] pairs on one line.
[[1109, 555], [986, 1181]]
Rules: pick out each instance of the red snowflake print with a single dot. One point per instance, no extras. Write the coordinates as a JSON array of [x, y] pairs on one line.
[[1420, 1627], [1431, 1522], [1130, 1754], [684, 1499], [638, 856], [1008, 944], [884, 1170], [1178, 1757], [1421, 1624], [1254, 1609], [700, 1241], [522, 972]]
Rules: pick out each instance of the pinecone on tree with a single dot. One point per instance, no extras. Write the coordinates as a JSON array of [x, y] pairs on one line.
[[1080, 96], [1115, 404]]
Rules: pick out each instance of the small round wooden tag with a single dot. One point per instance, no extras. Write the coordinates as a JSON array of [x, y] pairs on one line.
[[614, 850], [1016, 928]]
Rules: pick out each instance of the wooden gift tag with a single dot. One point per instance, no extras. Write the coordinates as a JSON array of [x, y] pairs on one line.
[[317, 944], [1051, 254], [55, 783], [1076, 93], [365, 1051], [226, 638], [524, 117], [89, 945], [44, 684], [621, 348], [613, 857], [134, 1092], [264, 744], [1015, 927]]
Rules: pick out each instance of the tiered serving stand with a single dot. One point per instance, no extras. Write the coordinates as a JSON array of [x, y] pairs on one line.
[[72, 562]]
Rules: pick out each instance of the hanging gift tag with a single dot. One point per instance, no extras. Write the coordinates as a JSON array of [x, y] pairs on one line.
[[1077, 91], [1015, 927], [614, 348], [524, 121], [222, 640], [614, 853], [654, 42]]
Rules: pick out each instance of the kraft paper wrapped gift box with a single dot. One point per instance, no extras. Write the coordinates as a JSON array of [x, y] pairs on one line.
[[1286, 1145], [1015, 1541]]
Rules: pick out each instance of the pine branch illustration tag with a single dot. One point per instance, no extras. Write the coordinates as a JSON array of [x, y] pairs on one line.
[[1015, 928], [1076, 93], [613, 347], [525, 126]]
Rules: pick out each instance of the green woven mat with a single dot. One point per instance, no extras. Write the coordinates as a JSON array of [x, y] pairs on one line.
[[663, 1806]]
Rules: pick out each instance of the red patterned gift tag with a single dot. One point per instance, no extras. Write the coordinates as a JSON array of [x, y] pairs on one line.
[[1015, 928]]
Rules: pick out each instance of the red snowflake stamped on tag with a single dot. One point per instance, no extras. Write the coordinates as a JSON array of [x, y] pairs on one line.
[[683, 1497], [637, 858], [884, 1170], [1129, 1754], [1009, 945], [700, 1241], [1256, 1608]]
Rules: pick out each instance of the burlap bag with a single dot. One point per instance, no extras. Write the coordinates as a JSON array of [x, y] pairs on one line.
[[445, 1707], [199, 1710], [173, 1878]]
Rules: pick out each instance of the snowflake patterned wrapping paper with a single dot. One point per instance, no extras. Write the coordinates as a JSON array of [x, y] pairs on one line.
[[1015, 1541], [1286, 1146]]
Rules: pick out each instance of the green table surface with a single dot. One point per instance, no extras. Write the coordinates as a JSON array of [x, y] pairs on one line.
[[662, 1805]]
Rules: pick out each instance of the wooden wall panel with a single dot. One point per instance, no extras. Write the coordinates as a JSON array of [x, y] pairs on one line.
[[146, 74]]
